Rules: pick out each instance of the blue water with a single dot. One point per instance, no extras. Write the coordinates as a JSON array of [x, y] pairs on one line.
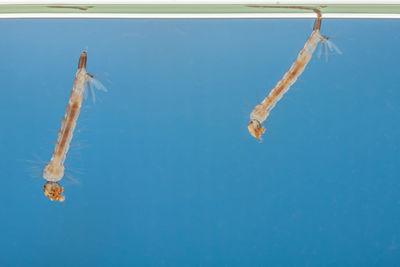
[[165, 171]]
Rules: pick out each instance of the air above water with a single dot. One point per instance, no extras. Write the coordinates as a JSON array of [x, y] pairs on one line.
[[162, 170]]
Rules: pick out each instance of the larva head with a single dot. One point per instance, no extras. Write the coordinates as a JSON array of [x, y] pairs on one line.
[[53, 191], [255, 129]]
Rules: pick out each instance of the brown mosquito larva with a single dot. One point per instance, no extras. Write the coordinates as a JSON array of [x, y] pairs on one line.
[[261, 112], [54, 170]]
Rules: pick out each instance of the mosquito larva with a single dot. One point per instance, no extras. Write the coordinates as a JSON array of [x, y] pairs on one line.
[[54, 170], [262, 110]]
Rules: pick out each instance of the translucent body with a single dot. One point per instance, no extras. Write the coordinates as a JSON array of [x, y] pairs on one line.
[[261, 112], [54, 170]]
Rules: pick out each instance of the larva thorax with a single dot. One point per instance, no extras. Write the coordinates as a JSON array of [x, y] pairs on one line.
[[53, 171]]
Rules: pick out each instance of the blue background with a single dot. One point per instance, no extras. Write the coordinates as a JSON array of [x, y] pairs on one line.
[[166, 172]]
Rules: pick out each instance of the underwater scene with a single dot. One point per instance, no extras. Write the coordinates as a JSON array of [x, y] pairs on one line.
[[200, 142]]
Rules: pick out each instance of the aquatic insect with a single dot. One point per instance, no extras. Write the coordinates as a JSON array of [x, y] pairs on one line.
[[54, 170], [261, 112]]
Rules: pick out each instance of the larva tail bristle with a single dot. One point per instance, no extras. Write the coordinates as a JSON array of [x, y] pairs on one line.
[[326, 46], [93, 83]]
